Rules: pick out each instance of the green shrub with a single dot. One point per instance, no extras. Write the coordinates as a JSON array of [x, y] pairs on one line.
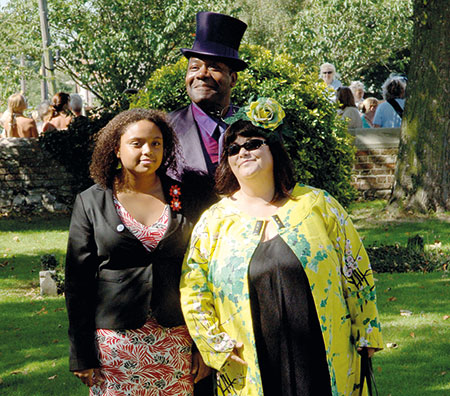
[[73, 147], [48, 262], [412, 258], [320, 147]]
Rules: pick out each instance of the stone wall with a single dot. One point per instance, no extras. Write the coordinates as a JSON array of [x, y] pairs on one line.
[[376, 156], [30, 181]]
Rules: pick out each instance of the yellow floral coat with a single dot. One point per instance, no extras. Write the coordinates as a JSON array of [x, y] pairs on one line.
[[215, 295]]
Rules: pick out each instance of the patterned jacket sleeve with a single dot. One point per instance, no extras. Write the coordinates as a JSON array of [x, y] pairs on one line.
[[356, 275], [197, 298]]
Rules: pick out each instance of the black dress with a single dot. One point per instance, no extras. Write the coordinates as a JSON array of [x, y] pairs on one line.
[[289, 343]]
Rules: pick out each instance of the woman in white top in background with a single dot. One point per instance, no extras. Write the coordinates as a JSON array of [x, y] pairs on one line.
[[348, 110]]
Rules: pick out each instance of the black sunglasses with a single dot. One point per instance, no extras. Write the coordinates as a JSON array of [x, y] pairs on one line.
[[327, 72], [249, 145]]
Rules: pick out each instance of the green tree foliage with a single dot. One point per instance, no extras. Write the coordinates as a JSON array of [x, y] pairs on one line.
[[365, 39], [19, 36], [269, 21], [354, 35], [319, 144], [109, 46]]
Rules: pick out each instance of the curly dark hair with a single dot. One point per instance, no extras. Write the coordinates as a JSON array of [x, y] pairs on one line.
[[226, 182], [103, 168]]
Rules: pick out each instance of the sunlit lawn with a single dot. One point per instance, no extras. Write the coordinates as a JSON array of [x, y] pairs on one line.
[[376, 227], [33, 330]]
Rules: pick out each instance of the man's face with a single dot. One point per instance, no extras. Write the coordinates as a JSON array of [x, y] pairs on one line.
[[209, 82]]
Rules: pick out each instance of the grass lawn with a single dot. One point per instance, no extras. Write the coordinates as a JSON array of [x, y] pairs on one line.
[[376, 226], [33, 329]]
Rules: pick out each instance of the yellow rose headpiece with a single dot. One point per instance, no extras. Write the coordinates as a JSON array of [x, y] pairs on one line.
[[264, 113]]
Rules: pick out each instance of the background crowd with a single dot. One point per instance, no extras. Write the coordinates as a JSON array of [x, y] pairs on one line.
[[366, 112], [56, 114], [354, 105]]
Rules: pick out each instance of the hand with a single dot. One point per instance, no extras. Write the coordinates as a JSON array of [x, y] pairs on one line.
[[370, 351], [199, 369], [86, 376], [236, 353]]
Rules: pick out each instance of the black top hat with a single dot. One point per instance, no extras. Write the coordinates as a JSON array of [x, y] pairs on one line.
[[218, 36]]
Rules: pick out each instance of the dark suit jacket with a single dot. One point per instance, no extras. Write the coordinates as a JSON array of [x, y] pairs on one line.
[[112, 280], [186, 128]]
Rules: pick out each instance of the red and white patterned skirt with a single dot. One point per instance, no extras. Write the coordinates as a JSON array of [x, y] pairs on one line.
[[150, 361]]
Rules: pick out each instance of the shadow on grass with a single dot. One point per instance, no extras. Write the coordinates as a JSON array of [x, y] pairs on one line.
[[415, 369], [36, 224], [419, 365], [34, 349], [25, 267]]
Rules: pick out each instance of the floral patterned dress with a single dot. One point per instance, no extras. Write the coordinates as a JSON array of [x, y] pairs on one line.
[[152, 360]]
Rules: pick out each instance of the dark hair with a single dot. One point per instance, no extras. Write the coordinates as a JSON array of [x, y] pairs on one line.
[[226, 182], [394, 87], [344, 97], [103, 168], [60, 102]]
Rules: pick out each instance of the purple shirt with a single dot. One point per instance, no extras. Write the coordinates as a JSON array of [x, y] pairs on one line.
[[207, 126]]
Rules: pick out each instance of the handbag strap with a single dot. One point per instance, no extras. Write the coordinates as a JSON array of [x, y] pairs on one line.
[[396, 107], [367, 373]]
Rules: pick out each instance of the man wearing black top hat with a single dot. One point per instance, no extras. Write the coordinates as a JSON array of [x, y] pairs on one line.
[[211, 74]]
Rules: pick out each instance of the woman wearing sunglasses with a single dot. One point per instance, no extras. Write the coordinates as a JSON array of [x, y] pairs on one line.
[[277, 290], [328, 74]]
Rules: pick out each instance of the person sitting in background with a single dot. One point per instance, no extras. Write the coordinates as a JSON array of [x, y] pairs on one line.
[[61, 116], [357, 88], [348, 110], [14, 121], [368, 108], [76, 105], [389, 113]]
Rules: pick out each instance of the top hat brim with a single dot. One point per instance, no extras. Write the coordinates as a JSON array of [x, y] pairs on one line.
[[235, 64]]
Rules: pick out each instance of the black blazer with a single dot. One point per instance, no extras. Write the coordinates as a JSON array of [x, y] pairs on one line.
[[111, 280]]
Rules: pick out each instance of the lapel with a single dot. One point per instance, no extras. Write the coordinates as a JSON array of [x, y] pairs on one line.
[[189, 137], [111, 216]]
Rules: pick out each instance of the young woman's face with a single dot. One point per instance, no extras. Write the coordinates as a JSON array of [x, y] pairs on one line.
[[250, 162], [141, 148]]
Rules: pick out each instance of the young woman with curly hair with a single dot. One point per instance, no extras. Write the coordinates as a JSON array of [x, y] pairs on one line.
[[127, 239]]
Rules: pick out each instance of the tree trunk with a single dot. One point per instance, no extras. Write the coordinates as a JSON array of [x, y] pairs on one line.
[[423, 167]]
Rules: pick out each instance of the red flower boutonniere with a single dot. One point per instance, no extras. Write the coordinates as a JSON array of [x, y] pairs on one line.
[[175, 193]]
